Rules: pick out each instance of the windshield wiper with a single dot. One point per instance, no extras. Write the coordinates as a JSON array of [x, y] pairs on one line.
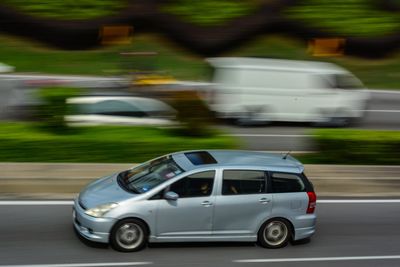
[[133, 189], [122, 183]]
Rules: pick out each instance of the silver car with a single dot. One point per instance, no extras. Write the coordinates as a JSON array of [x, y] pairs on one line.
[[197, 196]]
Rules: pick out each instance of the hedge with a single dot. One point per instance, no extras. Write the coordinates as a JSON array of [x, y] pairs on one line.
[[346, 17], [68, 9], [348, 146], [26, 142]]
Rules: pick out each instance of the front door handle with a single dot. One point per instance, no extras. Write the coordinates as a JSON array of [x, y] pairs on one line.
[[206, 203], [264, 200]]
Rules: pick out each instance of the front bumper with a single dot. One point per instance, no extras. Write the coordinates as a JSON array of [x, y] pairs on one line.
[[91, 228]]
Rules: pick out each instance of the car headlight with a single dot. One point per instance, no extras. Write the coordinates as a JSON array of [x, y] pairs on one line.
[[100, 210]]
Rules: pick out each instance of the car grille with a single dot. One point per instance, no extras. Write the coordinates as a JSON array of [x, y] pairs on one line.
[[77, 222]]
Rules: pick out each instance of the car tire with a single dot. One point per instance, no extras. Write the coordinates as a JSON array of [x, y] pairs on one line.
[[275, 233], [129, 235]]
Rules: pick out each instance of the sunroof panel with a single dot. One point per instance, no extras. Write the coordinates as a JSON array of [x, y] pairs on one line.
[[200, 158]]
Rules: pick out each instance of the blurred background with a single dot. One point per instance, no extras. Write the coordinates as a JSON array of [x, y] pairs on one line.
[[124, 81]]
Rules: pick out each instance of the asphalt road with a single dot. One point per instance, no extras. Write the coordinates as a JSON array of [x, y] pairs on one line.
[[383, 112], [348, 234]]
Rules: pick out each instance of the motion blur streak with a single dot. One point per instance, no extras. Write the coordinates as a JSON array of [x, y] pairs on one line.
[[36, 202], [388, 257], [82, 264], [360, 201], [382, 110]]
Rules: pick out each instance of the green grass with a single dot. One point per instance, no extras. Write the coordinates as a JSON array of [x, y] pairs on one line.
[[205, 12], [346, 17], [28, 56], [25, 142], [350, 146], [68, 9], [210, 12]]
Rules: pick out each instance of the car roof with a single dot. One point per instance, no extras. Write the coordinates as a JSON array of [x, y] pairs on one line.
[[241, 159], [276, 64]]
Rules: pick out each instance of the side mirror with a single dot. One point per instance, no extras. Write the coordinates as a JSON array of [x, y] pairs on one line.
[[171, 195]]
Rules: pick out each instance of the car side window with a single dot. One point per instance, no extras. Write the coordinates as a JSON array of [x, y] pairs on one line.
[[196, 185], [243, 182], [286, 183], [116, 108]]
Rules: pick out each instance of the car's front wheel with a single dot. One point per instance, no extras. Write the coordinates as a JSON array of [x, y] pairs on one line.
[[129, 235], [275, 233]]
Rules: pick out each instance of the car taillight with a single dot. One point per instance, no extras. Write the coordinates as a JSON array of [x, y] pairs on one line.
[[312, 202]]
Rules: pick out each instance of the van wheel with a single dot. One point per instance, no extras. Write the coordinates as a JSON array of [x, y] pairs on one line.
[[340, 121], [128, 235], [341, 118], [252, 118], [275, 233]]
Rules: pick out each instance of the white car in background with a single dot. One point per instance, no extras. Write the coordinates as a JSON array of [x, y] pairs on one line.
[[119, 110], [4, 68]]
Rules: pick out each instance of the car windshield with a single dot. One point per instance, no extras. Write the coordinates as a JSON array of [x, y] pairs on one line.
[[148, 175]]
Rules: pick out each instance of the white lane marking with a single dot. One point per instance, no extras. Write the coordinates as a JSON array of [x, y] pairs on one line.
[[394, 91], [83, 264], [286, 151], [60, 77], [35, 202], [269, 135], [388, 257], [382, 110], [355, 178], [357, 201], [70, 202]]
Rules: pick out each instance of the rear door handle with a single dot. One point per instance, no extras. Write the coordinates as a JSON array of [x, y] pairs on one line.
[[206, 203], [264, 200]]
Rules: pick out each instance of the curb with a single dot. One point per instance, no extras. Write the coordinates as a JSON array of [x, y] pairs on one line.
[[65, 180]]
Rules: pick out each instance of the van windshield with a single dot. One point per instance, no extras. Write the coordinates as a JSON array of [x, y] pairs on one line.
[[346, 81], [149, 175]]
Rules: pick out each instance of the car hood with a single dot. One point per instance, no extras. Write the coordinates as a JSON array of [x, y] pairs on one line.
[[103, 191]]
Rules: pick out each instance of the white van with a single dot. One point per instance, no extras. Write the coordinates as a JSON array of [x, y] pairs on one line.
[[254, 90]]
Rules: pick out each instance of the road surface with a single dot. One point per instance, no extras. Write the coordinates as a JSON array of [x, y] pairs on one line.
[[348, 234]]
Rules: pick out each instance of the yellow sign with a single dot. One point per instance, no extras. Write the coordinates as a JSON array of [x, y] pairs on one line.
[[326, 47], [116, 34]]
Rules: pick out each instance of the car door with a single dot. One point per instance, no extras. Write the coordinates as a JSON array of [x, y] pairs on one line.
[[243, 204], [191, 214]]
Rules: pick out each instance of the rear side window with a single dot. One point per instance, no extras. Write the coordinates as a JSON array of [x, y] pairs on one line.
[[286, 183], [236, 182]]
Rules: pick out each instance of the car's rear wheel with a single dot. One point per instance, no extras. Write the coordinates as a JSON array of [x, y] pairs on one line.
[[129, 235], [275, 233]]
